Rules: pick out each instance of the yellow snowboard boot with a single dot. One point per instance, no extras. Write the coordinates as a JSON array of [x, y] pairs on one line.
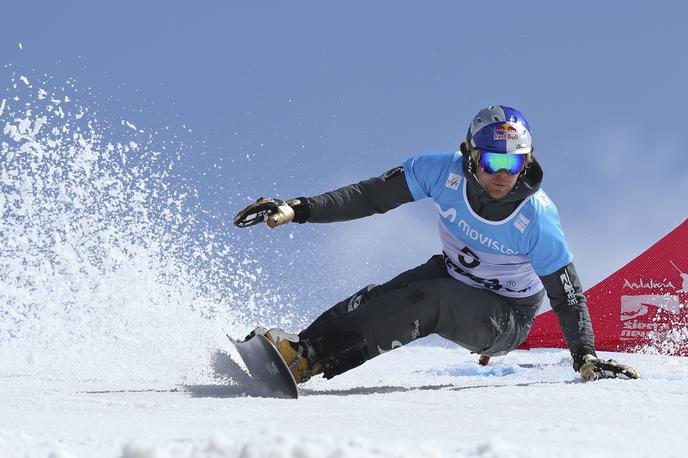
[[292, 351]]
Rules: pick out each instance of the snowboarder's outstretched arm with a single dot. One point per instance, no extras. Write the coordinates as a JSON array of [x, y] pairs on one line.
[[368, 197], [570, 305], [358, 200]]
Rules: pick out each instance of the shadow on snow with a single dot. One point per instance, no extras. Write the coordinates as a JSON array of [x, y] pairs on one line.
[[236, 383]]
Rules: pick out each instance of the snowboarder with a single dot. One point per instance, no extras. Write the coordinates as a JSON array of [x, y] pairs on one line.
[[503, 250]]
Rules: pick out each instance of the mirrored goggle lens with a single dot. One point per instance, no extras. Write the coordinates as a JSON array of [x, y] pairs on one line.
[[494, 162]]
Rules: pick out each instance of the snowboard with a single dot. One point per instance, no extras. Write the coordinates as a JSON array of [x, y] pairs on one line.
[[266, 366]]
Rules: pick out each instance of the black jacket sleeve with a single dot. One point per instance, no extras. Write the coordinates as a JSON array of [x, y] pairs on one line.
[[376, 195], [569, 304]]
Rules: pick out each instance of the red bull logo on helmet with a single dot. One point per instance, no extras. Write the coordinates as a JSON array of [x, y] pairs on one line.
[[506, 127], [506, 132]]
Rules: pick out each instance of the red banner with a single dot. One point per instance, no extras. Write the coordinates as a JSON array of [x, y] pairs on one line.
[[642, 305]]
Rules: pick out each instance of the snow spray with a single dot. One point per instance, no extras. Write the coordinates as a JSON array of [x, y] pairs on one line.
[[105, 267]]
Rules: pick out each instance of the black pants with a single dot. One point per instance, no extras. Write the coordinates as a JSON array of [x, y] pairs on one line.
[[419, 302]]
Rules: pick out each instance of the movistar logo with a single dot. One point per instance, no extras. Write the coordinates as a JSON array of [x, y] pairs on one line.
[[450, 214], [485, 239]]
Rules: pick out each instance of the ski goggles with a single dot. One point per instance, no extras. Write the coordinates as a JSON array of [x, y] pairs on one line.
[[495, 162]]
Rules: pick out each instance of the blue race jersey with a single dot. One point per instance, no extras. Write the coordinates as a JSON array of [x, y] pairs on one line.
[[506, 256]]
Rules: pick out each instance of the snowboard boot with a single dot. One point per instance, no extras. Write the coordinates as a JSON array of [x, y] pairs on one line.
[[295, 352]]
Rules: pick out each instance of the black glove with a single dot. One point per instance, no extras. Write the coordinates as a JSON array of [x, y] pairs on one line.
[[594, 368], [274, 212]]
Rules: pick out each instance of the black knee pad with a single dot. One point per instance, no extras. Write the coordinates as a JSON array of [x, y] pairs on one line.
[[508, 338]]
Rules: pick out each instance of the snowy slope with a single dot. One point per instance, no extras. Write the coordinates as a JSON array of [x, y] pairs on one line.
[[415, 401], [114, 297]]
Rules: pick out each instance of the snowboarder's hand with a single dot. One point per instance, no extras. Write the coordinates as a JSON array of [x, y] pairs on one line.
[[283, 215], [594, 368], [274, 212]]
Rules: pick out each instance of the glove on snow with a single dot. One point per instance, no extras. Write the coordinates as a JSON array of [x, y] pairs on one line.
[[274, 212], [594, 368]]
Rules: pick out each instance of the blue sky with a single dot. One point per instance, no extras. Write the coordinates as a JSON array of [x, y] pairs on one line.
[[288, 99]]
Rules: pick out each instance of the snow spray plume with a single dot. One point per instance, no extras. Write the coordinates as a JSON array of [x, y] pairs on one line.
[[672, 340], [103, 265]]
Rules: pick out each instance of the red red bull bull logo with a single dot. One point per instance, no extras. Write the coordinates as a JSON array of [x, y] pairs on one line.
[[506, 128], [506, 132]]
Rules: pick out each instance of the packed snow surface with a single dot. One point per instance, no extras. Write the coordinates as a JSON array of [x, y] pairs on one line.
[[413, 402], [115, 297]]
